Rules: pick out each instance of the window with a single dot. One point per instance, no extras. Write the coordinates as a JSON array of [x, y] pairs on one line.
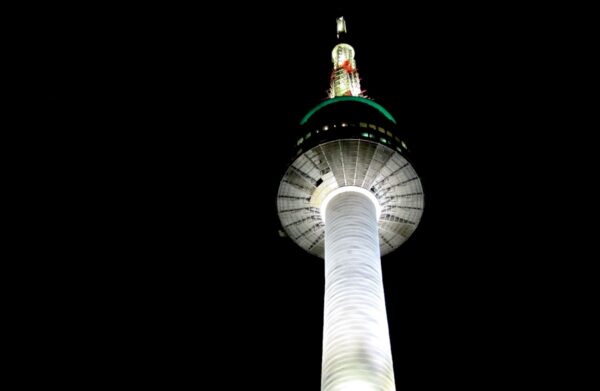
[[390, 135], [300, 141], [404, 145], [307, 135], [381, 130], [363, 124], [372, 126], [365, 134]]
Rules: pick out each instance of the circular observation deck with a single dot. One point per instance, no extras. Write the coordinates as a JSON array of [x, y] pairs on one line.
[[349, 141]]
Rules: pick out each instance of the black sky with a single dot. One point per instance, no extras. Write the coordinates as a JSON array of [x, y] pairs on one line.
[[185, 118]]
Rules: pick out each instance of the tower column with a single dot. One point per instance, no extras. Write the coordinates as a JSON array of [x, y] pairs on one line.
[[356, 346]]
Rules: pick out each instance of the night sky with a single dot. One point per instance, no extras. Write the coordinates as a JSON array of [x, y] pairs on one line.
[[184, 121]]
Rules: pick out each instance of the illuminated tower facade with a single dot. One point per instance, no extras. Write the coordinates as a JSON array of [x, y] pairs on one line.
[[350, 195]]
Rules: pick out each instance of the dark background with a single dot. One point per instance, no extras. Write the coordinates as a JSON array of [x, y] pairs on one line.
[[172, 129]]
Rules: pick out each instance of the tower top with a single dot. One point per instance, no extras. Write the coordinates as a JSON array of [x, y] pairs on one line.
[[344, 77], [341, 26], [348, 141]]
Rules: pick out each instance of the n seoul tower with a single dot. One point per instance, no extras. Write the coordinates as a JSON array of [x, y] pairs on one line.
[[350, 196]]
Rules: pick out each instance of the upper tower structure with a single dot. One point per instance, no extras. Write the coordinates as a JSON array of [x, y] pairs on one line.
[[349, 140], [344, 77]]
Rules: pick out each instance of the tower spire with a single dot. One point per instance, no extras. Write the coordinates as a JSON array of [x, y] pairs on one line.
[[341, 26], [344, 77]]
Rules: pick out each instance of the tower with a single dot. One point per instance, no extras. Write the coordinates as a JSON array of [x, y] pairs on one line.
[[349, 196]]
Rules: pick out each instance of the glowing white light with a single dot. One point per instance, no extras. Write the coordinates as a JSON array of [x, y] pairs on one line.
[[356, 345], [341, 25], [357, 385], [345, 189]]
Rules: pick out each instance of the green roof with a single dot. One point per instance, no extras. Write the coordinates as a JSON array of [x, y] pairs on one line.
[[351, 99]]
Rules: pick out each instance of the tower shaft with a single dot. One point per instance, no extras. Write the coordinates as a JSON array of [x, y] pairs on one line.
[[356, 345]]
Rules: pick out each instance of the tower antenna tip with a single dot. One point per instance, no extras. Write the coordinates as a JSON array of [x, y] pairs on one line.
[[341, 26]]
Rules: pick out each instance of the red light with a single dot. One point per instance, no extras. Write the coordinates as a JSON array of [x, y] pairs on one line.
[[346, 65]]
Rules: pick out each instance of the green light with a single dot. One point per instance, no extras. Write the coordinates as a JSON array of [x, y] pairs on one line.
[[348, 98]]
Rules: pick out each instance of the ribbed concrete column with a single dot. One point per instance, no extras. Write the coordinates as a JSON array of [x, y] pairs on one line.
[[356, 345]]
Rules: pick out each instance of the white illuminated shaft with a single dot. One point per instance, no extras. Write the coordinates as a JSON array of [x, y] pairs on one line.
[[356, 345]]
